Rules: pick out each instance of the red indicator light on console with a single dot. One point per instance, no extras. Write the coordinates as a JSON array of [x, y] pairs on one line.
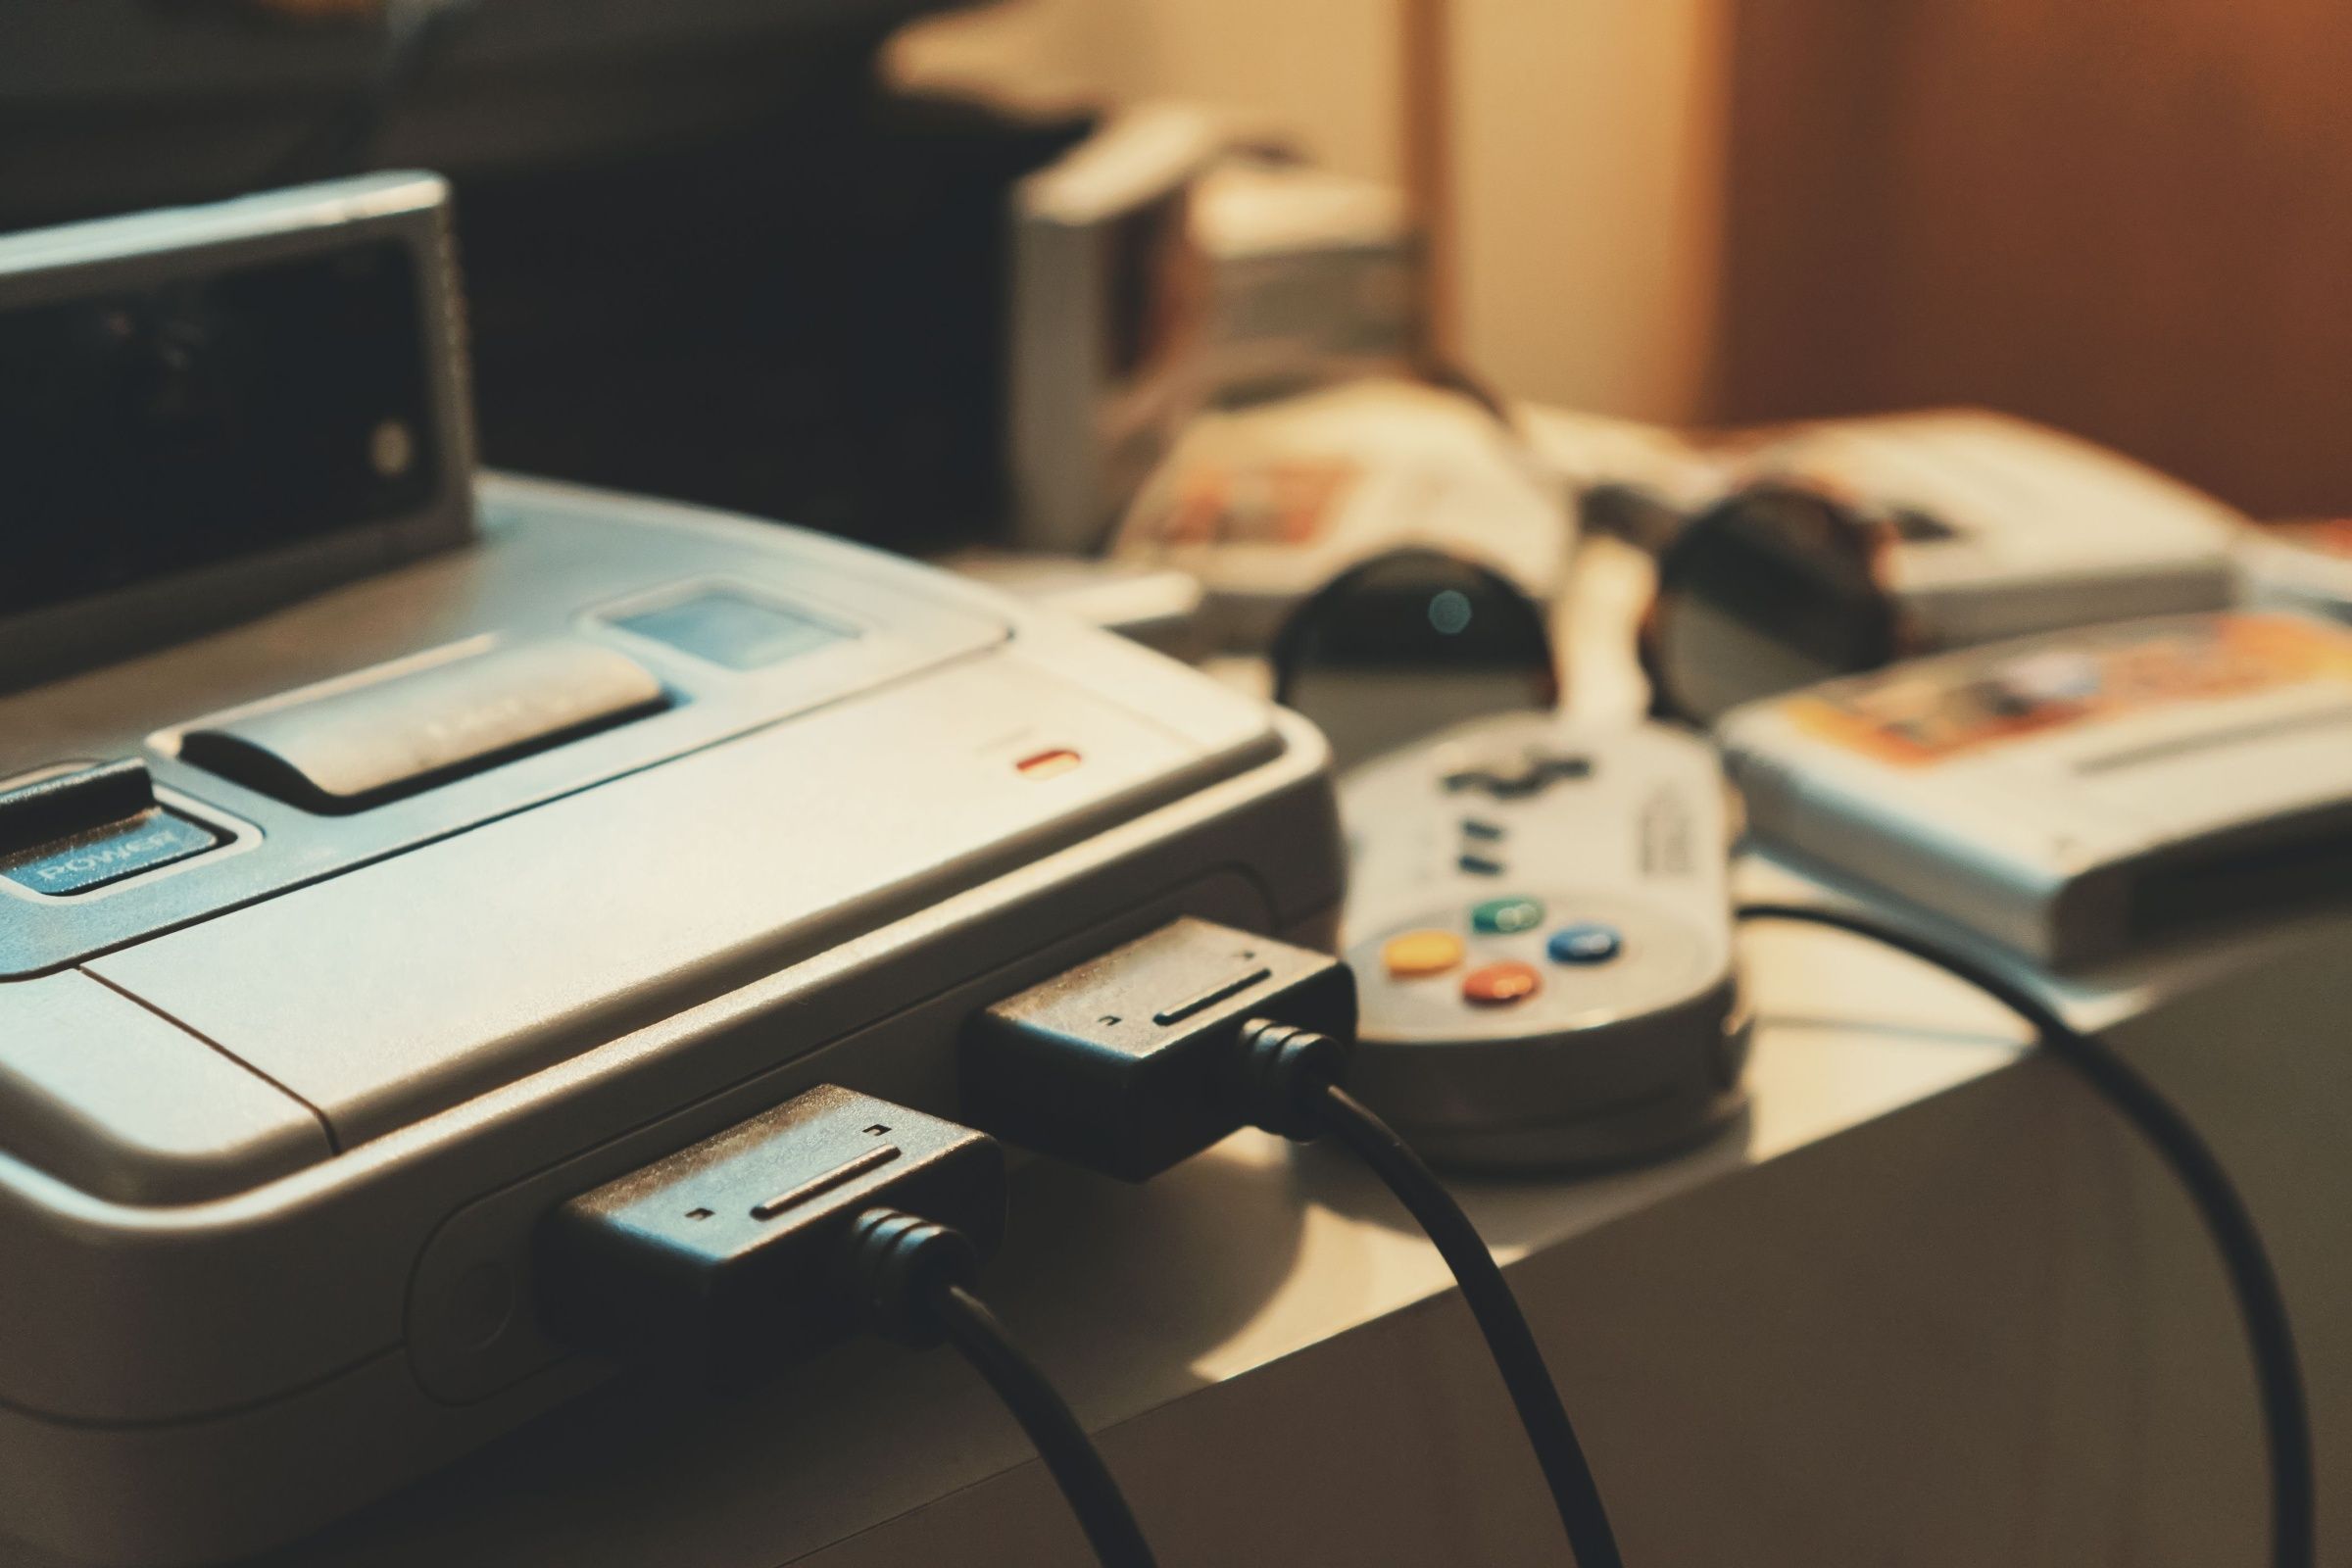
[[1047, 765]]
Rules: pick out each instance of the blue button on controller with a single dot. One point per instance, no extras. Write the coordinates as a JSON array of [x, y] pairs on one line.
[[1588, 941]]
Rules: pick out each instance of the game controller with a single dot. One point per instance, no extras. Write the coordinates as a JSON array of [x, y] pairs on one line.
[[1539, 920]]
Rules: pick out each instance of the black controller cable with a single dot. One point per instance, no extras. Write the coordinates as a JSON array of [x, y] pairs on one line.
[[832, 1215], [1315, 1104], [916, 1273], [1134, 1061], [2262, 1307]]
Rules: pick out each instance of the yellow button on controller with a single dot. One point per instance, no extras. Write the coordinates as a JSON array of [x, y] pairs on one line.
[[1418, 955]]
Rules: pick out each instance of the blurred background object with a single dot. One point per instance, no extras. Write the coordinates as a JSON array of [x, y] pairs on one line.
[[1267, 503], [2301, 566], [2126, 217], [765, 253], [2122, 217], [711, 253], [1107, 319], [1839, 546], [1408, 642], [1581, 141]]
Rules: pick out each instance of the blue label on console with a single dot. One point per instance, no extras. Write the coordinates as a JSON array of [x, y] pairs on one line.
[[139, 844], [733, 629]]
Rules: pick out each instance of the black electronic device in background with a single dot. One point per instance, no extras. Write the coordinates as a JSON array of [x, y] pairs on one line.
[[710, 255]]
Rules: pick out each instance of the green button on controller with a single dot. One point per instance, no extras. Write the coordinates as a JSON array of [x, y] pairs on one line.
[[1503, 917]]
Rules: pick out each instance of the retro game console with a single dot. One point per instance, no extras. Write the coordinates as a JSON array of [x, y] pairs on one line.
[[1538, 916], [482, 840], [2078, 797]]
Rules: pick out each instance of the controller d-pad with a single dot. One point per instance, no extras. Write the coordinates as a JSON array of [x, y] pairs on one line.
[[1531, 774], [1502, 786]]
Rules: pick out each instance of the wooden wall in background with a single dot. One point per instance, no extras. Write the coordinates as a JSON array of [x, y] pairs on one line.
[[1587, 149], [2129, 218]]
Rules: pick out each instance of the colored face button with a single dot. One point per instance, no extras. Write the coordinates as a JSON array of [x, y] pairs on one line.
[[1498, 985], [1503, 917], [1417, 954], [1588, 942]]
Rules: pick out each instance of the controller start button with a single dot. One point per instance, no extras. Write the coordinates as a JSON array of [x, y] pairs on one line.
[[1418, 955], [1498, 985]]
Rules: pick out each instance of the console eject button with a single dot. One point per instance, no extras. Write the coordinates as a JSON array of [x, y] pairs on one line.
[[354, 748]]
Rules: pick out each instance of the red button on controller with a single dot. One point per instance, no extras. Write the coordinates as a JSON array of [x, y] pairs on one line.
[[1498, 985]]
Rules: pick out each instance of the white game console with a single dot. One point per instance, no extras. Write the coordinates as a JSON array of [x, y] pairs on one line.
[[473, 842]]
